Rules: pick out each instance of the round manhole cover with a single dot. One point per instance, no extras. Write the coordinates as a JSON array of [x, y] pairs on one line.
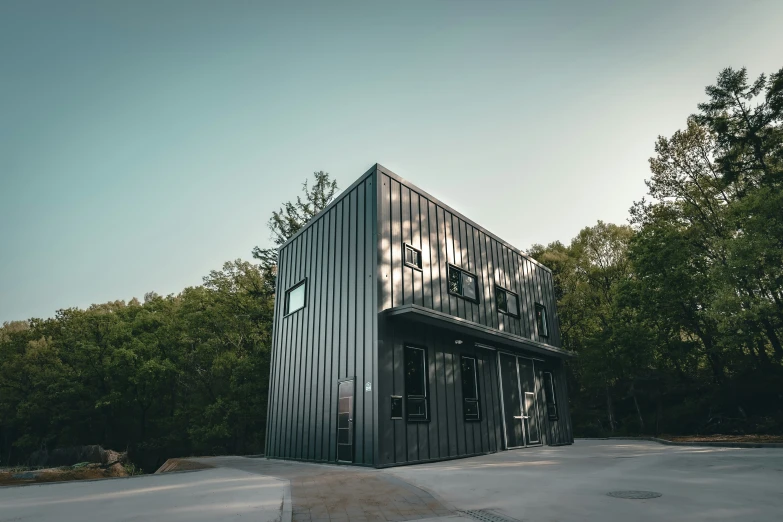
[[634, 494]]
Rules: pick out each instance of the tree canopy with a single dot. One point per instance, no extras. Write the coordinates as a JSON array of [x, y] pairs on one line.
[[678, 319]]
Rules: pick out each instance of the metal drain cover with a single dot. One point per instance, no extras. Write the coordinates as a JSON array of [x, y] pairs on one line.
[[634, 494], [488, 515]]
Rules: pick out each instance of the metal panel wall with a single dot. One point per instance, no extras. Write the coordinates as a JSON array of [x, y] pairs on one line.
[[408, 215], [446, 434], [332, 337], [558, 431]]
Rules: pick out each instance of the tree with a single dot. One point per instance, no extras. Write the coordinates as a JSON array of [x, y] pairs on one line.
[[587, 274], [291, 217]]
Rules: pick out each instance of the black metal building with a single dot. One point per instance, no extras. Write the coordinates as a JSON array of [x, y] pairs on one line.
[[404, 332]]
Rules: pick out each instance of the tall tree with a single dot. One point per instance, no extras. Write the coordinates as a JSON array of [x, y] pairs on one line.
[[291, 217]]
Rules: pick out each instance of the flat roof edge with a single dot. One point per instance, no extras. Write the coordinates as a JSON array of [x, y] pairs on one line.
[[426, 315]]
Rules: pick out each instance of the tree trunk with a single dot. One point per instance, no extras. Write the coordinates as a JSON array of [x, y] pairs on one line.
[[638, 411], [610, 410], [773, 338]]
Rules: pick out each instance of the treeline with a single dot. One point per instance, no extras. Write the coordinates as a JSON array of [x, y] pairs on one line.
[[678, 318], [185, 374], [178, 375]]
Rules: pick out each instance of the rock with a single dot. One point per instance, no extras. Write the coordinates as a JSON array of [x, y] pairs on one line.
[[93, 454], [25, 475]]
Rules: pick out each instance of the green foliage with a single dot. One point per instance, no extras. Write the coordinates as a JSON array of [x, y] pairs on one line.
[[291, 217], [177, 375], [678, 321]]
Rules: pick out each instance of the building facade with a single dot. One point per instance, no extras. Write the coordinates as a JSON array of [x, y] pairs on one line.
[[404, 332]]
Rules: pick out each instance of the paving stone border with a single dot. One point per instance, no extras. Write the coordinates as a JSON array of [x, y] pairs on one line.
[[694, 444]]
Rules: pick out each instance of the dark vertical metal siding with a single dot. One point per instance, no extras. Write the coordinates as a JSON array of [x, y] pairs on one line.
[[332, 337], [447, 434], [408, 216], [557, 431]]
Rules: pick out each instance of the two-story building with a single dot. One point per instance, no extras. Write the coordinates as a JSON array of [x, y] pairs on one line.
[[404, 332]]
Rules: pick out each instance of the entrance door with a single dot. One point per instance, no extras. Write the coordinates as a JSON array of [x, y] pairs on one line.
[[520, 406], [512, 404], [527, 382], [345, 421]]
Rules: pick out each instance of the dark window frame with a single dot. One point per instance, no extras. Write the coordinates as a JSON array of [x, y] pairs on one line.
[[551, 411], [545, 321], [477, 400], [462, 273], [405, 247], [395, 398], [508, 293], [426, 382], [287, 295]]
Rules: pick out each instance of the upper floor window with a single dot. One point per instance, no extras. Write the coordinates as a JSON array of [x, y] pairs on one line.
[[463, 283], [295, 297], [541, 320], [470, 392], [549, 394], [412, 257], [416, 383], [507, 302]]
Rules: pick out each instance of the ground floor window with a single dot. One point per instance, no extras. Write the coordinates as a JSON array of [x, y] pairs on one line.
[[549, 393], [470, 392], [416, 383]]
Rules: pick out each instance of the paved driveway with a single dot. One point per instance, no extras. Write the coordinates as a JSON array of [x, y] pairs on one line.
[[214, 495], [570, 483], [537, 484]]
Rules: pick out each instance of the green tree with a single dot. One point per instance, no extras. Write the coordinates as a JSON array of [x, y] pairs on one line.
[[291, 217]]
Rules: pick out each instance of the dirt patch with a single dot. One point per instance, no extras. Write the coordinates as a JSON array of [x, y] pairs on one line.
[[88, 472], [756, 439], [182, 465], [329, 493]]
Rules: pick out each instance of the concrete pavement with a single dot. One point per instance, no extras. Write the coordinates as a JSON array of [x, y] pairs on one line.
[[537, 484], [570, 483]]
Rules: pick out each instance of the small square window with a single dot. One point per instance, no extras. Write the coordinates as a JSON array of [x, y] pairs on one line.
[[541, 321], [455, 281], [463, 283], [508, 302], [469, 286], [295, 298], [412, 257], [396, 407], [501, 299]]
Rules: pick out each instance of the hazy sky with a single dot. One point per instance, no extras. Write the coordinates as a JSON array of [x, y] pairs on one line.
[[143, 144]]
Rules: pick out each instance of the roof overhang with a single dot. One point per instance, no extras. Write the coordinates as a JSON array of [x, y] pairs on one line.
[[420, 314]]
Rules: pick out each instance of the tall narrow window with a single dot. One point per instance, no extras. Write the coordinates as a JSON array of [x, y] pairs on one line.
[[416, 383], [508, 302], [295, 297], [541, 321], [463, 284], [470, 392], [412, 257], [549, 393]]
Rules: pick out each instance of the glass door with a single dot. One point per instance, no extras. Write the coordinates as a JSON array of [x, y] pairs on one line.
[[345, 421], [527, 383], [519, 402], [511, 401]]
